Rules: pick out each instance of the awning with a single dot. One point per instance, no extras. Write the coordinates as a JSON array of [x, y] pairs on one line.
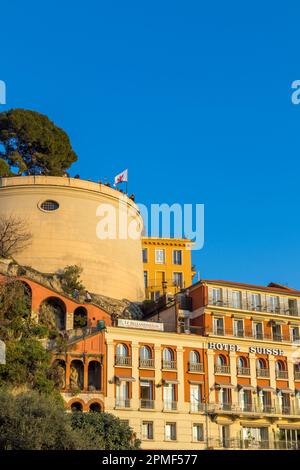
[[288, 426], [170, 381], [223, 385], [125, 378], [285, 390], [250, 424], [147, 378], [245, 387], [266, 389], [196, 382]]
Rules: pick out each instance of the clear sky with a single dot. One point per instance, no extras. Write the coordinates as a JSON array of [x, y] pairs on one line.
[[193, 97]]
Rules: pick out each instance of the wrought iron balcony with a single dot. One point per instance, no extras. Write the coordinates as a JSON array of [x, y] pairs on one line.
[[147, 363], [146, 404], [243, 371], [263, 372], [222, 369], [197, 407], [169, 364], [123, 361], [282, 374], [195, 367], [170, 405], [123, 403]]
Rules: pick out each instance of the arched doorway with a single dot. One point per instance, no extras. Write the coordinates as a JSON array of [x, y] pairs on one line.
[[80, 317], [94, 375], [53, 313], [76, 406], [95, 407]]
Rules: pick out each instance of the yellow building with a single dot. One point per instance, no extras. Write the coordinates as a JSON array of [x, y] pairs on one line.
[[167, 265]]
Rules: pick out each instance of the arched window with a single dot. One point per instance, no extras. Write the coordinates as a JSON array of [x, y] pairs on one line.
[[194, 357], [260, 364], [280, 366], [80, 317], [53, 310], [242, 362], [76, 406], [122, 350], [145, 353], [221, 360], [95, 407], [168, 355]]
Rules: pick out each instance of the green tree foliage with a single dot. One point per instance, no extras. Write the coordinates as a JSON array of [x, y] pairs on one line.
[[4, 168], [104, 431], [33, 144], [70, 280], [32, 421]]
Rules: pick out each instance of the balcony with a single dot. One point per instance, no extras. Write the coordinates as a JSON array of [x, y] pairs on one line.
[[252, 408], [247, 305], [239, 333], [219, 331], [170, 405], [123, 361], [222, 369], [243, 371], [146, 363], [169, 365], [263, 372], [195, 367], [122, 403], [197, 407], [146, 404], [282, 374], [249, 334], [297, 375]]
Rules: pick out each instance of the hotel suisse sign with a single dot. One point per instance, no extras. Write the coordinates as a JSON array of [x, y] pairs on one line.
[[141, 325], [251, 349]]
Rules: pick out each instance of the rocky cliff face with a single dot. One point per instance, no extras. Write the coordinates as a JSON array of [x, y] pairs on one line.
[[116, 308]]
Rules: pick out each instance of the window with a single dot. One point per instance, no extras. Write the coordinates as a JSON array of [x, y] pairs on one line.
[[195, 397], [237, 299], [293, 307], [122, 350], [49, 206], [238, 328], [146, 393], [170, 432], [245, 399], [242, 362], [218, 326], [169, 396], [168, 359], [145, 279], [194, 357], [159, 256], [177, 257], [224, 396], [198, 434], [295, 334], [256, 438], [216, 296], [276, 330], [178, 280], [145, 255], [273, 303], [147, 430], [122, 394], [221, 360], [145, 353], [258, 330], [255, 302]]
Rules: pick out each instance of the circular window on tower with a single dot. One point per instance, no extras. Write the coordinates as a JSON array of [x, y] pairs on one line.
[[49, 206]]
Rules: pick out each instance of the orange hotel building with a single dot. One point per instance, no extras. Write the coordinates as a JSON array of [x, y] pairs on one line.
[[219, 368]]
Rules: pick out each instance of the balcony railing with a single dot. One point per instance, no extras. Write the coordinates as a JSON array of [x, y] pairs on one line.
[[243, 371], [197, 407], [122, 403], [170, 405], [222, 369], [297, 375], [195, 367], [247, 305], [282, 374], [253, 408], [169, 364], [123, 361], [246, 333], [147, 363], [147, 404], [263, 372], [253, 444]]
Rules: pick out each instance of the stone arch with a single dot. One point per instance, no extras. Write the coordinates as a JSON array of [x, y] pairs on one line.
[[76, 404], [80, 317], [94, 375], [95, 406], [76, 374], [54, 310]]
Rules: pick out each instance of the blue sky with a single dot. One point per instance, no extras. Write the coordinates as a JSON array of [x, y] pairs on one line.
[[193, 97]]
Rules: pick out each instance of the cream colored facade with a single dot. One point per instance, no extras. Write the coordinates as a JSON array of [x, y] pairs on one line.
[[67, 236]]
